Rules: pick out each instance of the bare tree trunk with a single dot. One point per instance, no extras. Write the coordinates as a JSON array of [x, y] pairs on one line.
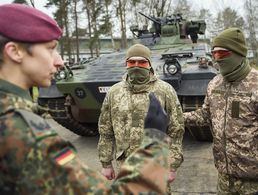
[[62, 24], [32, 3], [95, 30], [92, 14], [251, 26], [112, 39], [88, 12], [66, 27], [76, 31], [169, 7], [121, 8], [96, 40], [110, 27]]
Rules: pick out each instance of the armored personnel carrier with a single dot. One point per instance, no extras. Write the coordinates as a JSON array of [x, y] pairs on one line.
[[76, 96]]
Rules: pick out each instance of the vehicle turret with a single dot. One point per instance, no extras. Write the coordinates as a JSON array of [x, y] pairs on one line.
[[170, 26]]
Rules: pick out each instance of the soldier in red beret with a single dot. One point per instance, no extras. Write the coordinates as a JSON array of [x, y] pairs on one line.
[[33, 158]]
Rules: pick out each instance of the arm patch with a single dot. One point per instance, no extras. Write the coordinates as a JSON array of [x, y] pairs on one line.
[[64, 156], [40, 128]]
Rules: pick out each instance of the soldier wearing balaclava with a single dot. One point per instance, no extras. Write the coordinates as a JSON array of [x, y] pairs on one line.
[[231, 109], [125, 107], [138, 64], [234, 65]]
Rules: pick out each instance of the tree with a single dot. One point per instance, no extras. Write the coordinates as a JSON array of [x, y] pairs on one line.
[[227, 18], [61, 16], [205, 14], [158, 7], [76, 29], [32, 3], [251, 8], [218, 24], [121, 12], [95, 19], [88, 8], [231, 18], [106, 27], [183, 7]]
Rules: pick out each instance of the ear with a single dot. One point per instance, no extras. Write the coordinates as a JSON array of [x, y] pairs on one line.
[[14, 51]]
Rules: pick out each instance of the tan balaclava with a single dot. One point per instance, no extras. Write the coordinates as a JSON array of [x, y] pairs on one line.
[[235, 67], [139, 75]]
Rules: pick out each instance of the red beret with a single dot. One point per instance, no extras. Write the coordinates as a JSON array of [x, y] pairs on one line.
[[26, 24]]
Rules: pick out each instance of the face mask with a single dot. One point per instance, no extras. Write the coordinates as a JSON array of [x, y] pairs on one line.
[[229, 64], [234, 67], [138, 75]]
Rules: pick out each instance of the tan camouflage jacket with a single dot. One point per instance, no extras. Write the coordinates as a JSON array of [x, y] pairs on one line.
[[35, 160], [122, 118], [232, 111]]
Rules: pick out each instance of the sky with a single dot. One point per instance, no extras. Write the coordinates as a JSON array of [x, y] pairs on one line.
[[213, 5], [219, 5], [39, 4]]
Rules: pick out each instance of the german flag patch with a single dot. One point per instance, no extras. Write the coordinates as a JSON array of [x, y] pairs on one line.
[[64, 156]]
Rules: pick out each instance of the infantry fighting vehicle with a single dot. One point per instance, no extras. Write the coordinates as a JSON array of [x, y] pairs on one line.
[[76, 96]]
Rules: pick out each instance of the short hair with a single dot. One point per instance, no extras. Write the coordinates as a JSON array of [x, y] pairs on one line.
[[4, 40]]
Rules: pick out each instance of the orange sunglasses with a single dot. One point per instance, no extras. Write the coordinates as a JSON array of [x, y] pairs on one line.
[[139, 63], [220, 54]]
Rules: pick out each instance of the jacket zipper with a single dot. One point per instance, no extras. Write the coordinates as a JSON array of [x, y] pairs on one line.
[[224, 131]]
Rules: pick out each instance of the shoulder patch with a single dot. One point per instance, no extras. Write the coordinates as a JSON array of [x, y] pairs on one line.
[[38, 125], [64, 156]]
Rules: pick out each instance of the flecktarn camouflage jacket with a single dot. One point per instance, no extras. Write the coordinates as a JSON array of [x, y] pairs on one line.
[[35, 160]]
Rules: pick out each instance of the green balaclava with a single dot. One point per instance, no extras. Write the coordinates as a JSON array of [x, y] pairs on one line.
[[138, 75], [235, 67]]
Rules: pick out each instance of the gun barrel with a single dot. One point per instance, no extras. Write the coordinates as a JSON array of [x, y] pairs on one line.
[[150, 18]]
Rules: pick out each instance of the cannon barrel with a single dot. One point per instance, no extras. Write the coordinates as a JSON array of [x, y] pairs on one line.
[[150, 18]]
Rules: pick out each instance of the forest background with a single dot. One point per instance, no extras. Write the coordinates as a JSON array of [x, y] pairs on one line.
[[96, 19]]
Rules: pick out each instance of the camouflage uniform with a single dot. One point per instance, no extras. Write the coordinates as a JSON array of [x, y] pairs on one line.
[[122, 119], [231, 108], [35, 160]]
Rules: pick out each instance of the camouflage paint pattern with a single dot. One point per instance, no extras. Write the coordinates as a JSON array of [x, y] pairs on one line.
[[230, 185], [30, 147], [122, 119], [232, 111]]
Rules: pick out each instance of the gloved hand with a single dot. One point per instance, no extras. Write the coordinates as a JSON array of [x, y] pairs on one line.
[[156, 117]]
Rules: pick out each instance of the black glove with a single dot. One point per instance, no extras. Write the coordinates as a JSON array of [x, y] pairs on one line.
[[156, 117]]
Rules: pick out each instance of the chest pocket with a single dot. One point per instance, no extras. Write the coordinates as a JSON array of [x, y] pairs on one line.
[[240, 103], [40, 128], [217, 100]]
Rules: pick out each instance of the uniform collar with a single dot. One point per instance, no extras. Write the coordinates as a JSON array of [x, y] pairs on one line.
[[8, 87]]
